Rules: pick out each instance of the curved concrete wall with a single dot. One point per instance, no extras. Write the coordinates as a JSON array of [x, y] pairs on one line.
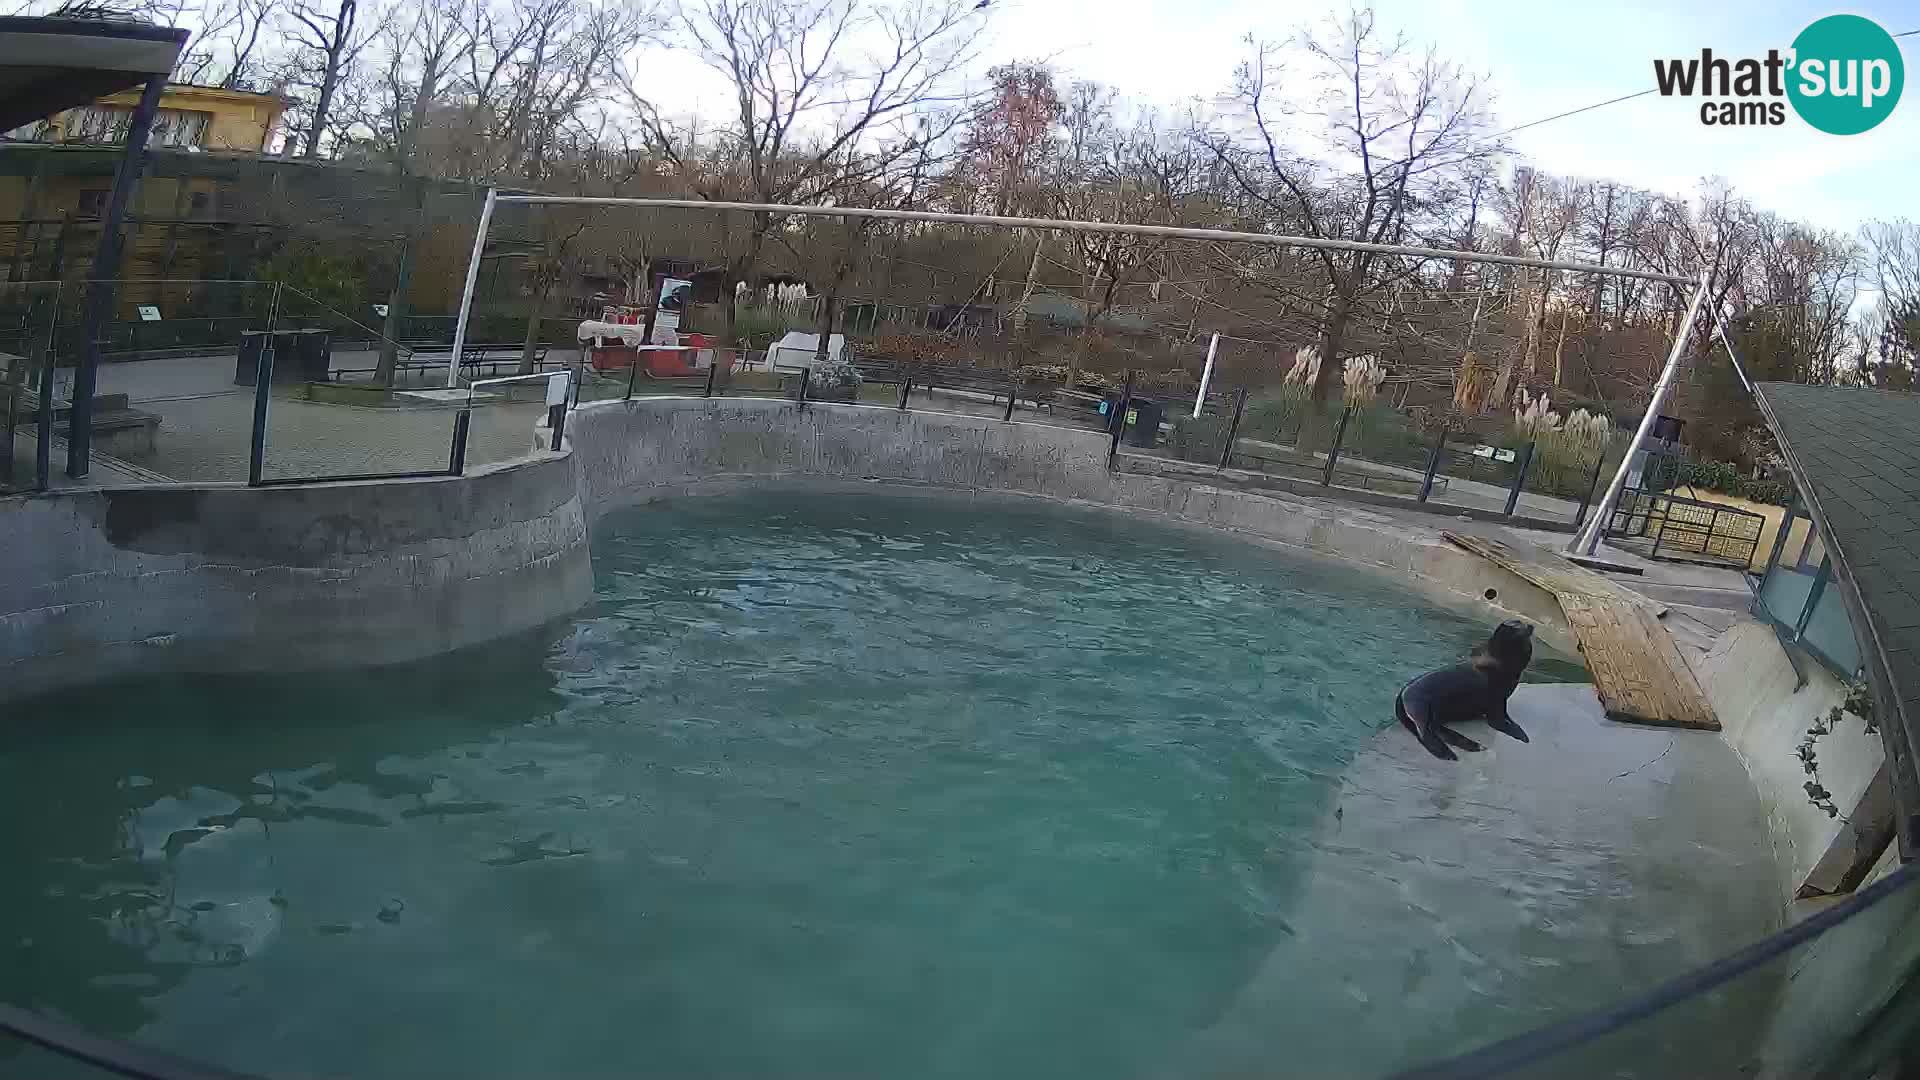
[[100, 583], [626, 452]]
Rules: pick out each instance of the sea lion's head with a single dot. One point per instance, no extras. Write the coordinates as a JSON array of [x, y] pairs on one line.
[[1511, 645]]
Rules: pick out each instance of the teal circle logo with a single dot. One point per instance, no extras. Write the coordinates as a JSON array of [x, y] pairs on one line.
[[1847, 74]]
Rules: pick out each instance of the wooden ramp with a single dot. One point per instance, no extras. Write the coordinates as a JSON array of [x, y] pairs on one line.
[[1637, 668]]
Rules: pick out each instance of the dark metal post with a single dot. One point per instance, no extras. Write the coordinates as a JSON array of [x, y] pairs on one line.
[[1013, 388], [1333, 451], [106, 267], [1119, 419], [806, 374], [906, 387], [713, 372], [1593, 484], [262, 393], [557, 420], [457, 460], [43, 438], [1433, 463], [633, 375], [1519, 477], [1233, 427]]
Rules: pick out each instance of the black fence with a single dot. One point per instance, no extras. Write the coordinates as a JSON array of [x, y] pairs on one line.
[[1665, 526]]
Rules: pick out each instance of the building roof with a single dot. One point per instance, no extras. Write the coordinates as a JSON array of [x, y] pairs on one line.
[[49, 65], [1855, 456]]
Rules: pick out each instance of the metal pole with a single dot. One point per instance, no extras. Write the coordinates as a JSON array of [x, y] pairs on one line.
[[906, 387], [1012, 388], [806, 374], [1519, 478], [1333, 452], [1433, 464], [43, 439], [1233, 428], [1588, 539], [262, 395], [713, 369], [1119, 419], [100, 281], [466, 294], [633, 375], [457, 459], [1206, 375], [1171, 232]]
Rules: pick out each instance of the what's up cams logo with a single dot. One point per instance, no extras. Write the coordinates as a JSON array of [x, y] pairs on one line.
[[1843, 75]]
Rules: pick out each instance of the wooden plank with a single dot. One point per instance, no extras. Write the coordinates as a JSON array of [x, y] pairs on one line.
[[1638, 669]]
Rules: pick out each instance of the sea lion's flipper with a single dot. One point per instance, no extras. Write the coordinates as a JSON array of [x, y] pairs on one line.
[[1413, 712], [1504, 724], [1457, 739]]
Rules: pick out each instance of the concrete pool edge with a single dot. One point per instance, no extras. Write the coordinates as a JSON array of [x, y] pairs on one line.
[[628, 452], [216, 578]]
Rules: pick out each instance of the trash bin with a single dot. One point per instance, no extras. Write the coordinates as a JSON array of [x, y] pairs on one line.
[[298, 356], [1143, 416], [312, 357]]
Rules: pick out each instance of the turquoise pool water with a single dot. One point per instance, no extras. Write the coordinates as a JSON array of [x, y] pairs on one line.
[[818, 787]]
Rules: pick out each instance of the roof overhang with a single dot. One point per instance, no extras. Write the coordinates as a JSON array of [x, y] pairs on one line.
[[47, 65]]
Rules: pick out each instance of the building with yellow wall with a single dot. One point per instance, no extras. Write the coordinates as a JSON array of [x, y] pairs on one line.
[[190, 118]]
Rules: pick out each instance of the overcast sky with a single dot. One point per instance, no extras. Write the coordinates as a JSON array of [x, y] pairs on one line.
[[1543, 58]]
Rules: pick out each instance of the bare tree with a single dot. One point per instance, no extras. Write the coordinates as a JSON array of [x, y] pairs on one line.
[[331, 35], [1398, 128], [812, 82]]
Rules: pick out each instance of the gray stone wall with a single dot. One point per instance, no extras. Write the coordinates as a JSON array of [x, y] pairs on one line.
[[100, 583]]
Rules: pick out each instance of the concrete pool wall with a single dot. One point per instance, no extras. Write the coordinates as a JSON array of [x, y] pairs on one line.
[[628, 452], [99, 583]]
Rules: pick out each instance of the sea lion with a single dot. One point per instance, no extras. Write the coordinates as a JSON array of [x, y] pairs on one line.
[[1478, 688]]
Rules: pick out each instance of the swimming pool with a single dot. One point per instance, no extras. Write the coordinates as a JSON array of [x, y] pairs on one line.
[[831, 786]]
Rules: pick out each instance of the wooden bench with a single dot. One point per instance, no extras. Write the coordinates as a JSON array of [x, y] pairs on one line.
[[476, 361]]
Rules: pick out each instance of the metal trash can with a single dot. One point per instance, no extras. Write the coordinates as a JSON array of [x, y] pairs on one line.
[[1143, 415]]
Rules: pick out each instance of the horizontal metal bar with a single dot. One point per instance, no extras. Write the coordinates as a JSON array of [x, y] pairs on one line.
[[1172, 232], [289, 481]]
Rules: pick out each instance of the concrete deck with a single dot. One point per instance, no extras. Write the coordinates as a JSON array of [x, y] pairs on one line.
[[1593, 848]]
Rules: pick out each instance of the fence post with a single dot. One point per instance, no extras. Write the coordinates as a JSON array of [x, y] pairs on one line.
[[1333, 451], [457, 459], [713, 371], [557, 406], [633, 375], [1233, 427], [43, 439], [262, 392], [1433, 463], [906, 387], [1519, 477], [806, 375], [1119, 419], [1013, 387], [1593, 484]]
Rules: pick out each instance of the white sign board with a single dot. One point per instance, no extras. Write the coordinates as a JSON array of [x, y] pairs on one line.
[[149, 313], [1493, 453], [380, 310]]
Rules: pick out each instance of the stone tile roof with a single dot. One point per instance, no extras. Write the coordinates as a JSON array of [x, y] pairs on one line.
[[1857, 456]]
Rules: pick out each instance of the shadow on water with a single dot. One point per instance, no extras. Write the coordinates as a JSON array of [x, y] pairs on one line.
[[818, 786]]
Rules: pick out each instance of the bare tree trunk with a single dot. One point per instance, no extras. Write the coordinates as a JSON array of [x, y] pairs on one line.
[[1332, 335], [823, 326], [533, 328], [396, 310], [1026, 293], [334, 49]]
